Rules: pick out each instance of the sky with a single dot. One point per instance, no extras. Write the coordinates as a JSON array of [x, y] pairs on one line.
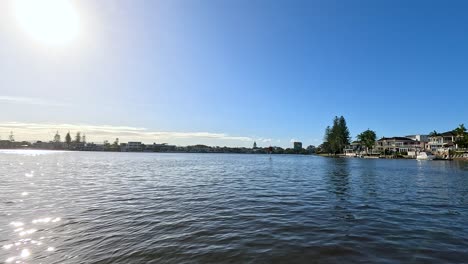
[[232, 72]]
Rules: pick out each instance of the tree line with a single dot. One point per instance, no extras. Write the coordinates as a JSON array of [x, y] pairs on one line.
[[68, 139], [81, 139]]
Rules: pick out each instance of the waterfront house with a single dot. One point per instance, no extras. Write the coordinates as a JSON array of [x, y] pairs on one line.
[[423, 141], [354, 149], [442, 142], [397, 145]]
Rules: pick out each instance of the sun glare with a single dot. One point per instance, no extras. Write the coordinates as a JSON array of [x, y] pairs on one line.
[[49, 21]]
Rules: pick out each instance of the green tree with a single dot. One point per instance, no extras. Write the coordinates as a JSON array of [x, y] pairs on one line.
[[78, 137], [337, 137], [325, 147], [367, 139], [107, 145], [461, 136], [68, 139], [115, 145], [57, 137], [460, 131], [343, 133]]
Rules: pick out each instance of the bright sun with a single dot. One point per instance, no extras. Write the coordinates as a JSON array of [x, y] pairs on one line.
[[50, 21]]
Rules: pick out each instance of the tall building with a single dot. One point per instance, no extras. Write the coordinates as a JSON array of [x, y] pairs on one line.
[[255, 145], [297, 145]]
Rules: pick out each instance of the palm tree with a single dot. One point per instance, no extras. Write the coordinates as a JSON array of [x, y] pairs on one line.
[[68, 139], [434, 134], [461, 136], [460, 130]]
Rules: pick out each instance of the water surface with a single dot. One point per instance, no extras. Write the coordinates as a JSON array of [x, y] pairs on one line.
[[91, 207]]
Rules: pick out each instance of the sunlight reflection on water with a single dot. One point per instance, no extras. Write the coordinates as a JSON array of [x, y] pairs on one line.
[[30, 152], [23, 242]]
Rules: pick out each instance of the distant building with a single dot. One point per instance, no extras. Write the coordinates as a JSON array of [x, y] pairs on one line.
[[199, 149], [297, 145], [420, 138], [164, 147], [78, 145], [8, 144], [255, 145], [5, 144], [93, 147], [133, 146], [43, 145]]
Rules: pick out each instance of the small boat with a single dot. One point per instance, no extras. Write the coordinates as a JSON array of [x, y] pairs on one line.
[[425, 156]]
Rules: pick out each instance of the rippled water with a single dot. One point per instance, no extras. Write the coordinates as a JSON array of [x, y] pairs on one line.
[[83, 207]]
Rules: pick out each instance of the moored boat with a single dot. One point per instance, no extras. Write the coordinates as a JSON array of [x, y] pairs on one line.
[[425, 156]]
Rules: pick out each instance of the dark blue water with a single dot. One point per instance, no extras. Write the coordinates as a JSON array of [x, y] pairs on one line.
[[83, 207]]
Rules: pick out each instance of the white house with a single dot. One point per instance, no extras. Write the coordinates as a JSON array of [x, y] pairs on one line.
[[442, 142]]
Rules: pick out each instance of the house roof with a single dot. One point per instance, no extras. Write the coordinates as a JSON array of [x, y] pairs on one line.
[[395, 138], [448, 133]]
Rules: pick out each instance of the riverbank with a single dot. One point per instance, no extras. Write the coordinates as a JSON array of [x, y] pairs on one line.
[[462, 158]]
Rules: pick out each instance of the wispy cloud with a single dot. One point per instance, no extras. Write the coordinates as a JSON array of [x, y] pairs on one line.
[[264, 140], [97, 133], [28, 100]]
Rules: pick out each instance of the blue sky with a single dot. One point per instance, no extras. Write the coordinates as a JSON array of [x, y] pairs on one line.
[[238, 71]]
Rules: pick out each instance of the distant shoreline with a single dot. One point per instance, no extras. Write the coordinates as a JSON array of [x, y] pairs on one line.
[[169, 152]]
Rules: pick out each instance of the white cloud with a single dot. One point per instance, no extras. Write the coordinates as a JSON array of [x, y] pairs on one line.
[[28, 100], [99, 133]]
